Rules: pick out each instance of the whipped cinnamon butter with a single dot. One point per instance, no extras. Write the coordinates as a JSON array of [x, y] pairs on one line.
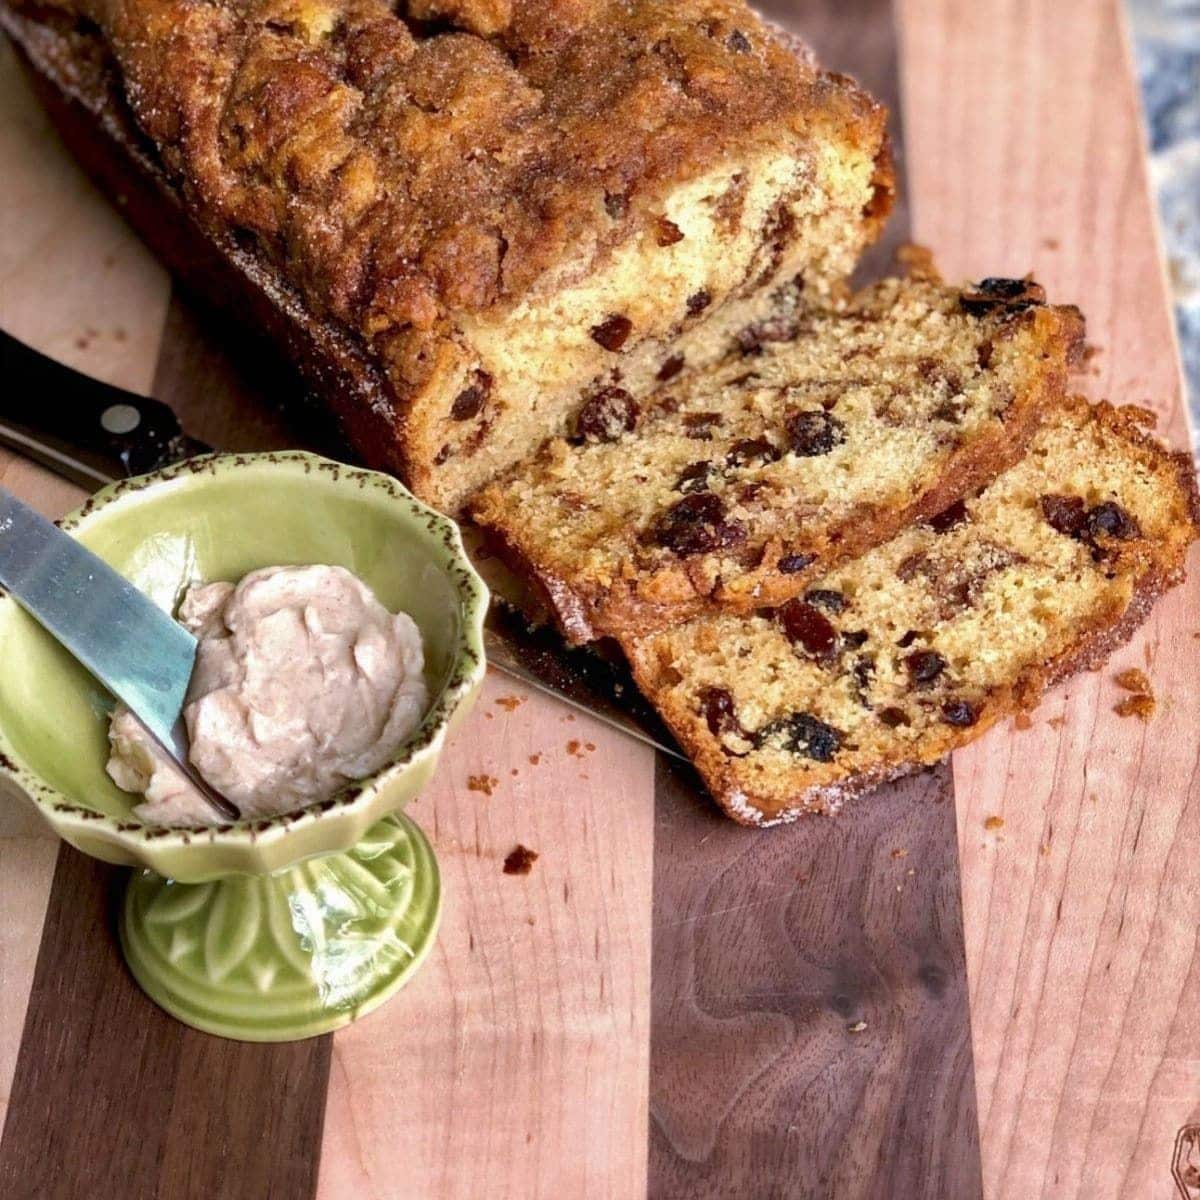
[[303, 682]]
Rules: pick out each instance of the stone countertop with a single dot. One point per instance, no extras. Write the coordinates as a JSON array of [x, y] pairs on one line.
[[1167, 41]]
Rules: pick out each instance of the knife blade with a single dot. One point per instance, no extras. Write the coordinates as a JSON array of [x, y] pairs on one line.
[[92, 433], [135, 649]]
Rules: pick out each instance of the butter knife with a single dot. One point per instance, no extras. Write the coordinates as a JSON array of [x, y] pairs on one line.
[[124, 639], [93, 433]]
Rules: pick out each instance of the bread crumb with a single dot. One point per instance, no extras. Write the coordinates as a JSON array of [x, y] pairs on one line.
[[575, 748], [994, 823], [1050, 243], [510, 703], [1056, 722], [1044, 849], [899, 852], [534, 759], [482, 783], [857, 1027], [1022, 721], [590, 747], [514, 772], [1134, 680], [1141, 706], [520, 860]]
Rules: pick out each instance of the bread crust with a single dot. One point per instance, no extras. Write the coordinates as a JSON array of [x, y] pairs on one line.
[[258, 135], [1094, 645], [72, 78]]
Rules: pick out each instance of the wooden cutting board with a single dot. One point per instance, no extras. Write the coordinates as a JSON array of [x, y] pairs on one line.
[[982, 981]]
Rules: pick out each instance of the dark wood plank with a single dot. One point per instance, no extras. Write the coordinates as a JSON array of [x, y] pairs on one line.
[[858, 38], [112, 1097], [810, 1016], [810, 1027]]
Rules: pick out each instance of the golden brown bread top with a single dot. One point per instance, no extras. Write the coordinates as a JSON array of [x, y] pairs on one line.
[[402, 165]]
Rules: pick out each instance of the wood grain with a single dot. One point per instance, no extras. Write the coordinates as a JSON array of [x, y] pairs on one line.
[[1082, 912], [110, 1092], [74, 281], [1081, 917], [27, 854], [516, 1064], [810, 1003]]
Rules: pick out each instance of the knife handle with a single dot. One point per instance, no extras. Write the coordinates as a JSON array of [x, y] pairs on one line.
[[80, 427]]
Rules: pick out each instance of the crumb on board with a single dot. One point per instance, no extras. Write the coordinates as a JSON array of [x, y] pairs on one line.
[[1051, 243], [1023, 721], [1133, 679], [510, 703], [486, 784], [1141, 706], [900, 852], [994, 822], [534, 759], [514, 772], [857, 1027], [520, 860], [1056, 722]]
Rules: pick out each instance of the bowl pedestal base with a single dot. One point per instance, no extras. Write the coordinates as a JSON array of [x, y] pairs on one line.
[[272, 958]]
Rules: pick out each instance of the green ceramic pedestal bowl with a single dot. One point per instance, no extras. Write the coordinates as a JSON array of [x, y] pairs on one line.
[[273, 929]]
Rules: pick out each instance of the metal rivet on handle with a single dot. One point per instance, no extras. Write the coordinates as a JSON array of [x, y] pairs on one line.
[[120, 418]]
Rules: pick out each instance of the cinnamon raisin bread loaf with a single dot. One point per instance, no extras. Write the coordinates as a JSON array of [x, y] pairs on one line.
[[465, 218], [891, 661], [830, 430]]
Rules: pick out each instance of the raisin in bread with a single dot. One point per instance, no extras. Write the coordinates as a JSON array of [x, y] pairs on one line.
[[829, 431], [891, 661], [463, 218]]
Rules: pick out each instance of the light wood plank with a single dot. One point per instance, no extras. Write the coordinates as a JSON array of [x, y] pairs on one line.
[[74, 281], [1081, 913], [515, 1064], [26, 868], [28, 847]]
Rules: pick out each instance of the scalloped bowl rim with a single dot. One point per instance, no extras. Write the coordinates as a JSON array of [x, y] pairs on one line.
[[359, 801]]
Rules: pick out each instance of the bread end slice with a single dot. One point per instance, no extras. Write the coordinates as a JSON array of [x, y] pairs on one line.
[[891, 661]]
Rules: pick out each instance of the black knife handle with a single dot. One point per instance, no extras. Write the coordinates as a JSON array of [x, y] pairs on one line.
[[80, 427]]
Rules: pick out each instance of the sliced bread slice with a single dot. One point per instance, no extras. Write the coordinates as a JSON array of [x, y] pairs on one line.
[[892, 660], [832, 430]]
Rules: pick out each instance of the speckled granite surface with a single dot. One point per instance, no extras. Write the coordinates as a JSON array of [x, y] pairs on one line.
[[1167, 39]]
